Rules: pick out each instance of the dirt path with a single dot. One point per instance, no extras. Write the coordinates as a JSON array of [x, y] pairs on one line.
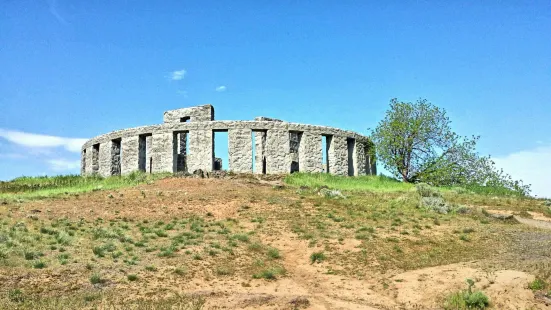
[[534, 223]]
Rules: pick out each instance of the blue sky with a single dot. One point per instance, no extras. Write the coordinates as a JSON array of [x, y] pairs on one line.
[[73, 69]]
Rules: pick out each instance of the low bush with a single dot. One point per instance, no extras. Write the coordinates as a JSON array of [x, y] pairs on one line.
[[467, 299], [425, 190]]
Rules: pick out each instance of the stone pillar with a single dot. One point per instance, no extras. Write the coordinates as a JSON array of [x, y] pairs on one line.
[[310, 153], [240, 150], [162, 152], [260, 150], [338, 156], [130, 154], [200, 150], [148, 153], [88, 170], [277, 152], [360, 160], [104, 159]]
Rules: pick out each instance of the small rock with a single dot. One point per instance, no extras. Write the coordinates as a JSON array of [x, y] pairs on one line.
[[501, 216]]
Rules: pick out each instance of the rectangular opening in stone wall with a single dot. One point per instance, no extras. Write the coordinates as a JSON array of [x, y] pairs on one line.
[[116, 157], [95, 158], [350, 145], [83, 162], [325, 145], [180, 146], [294, 146], [259, 150], [185, 119], [142, 152], [220, 147]]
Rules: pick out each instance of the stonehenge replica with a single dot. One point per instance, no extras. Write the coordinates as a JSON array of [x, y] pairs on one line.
[[185, 143]]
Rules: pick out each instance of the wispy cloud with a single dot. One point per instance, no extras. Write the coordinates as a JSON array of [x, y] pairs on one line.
[[220, 88], [531, 166], [41, 141], [63, 164], [178, 75], [52, 5]]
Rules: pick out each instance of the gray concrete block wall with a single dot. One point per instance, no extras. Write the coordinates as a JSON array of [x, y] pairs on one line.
[[271, 141], [277, 152], [310, 153], [240, 149], [162, 150], [338, 156], [201, 150], [130, 154]]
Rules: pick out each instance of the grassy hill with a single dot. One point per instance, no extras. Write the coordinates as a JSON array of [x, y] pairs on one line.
[[300, 241]]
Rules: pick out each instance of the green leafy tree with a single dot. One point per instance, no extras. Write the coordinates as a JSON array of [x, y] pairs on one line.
[[415, 143]]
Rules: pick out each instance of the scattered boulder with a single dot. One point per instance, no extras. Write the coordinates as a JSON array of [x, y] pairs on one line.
[[199, 173]]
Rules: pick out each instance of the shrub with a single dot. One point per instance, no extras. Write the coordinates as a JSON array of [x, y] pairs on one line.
[[151, 268], [425, 190], [16, 295], [537, 285], [132, 277], [436, 204], [241, 237], [273, 253], [317, 257], [269, 274], [467, 299], [96, 279], [39, 264]]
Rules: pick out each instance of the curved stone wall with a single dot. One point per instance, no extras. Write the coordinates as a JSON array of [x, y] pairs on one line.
[[185, 142]]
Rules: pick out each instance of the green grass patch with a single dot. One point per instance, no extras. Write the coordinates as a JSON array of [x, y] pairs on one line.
[[52, 186], [361, 183]]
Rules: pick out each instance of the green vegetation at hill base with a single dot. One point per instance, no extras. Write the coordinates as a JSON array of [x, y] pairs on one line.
[[51, 186]]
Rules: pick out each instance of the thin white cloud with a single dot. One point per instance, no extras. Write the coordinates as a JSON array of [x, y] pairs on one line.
[[220, 88], [532, 167], [41, 141], [63, 164], [178, 75], [53, 10]]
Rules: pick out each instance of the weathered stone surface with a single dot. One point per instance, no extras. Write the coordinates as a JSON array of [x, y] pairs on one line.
[[360, 160], [279, 146], [338, 155], [310, 153], [104, 159], [240, 150], [162, 152], [277, 152], [201, 150], [130, 155], [194, 114]]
